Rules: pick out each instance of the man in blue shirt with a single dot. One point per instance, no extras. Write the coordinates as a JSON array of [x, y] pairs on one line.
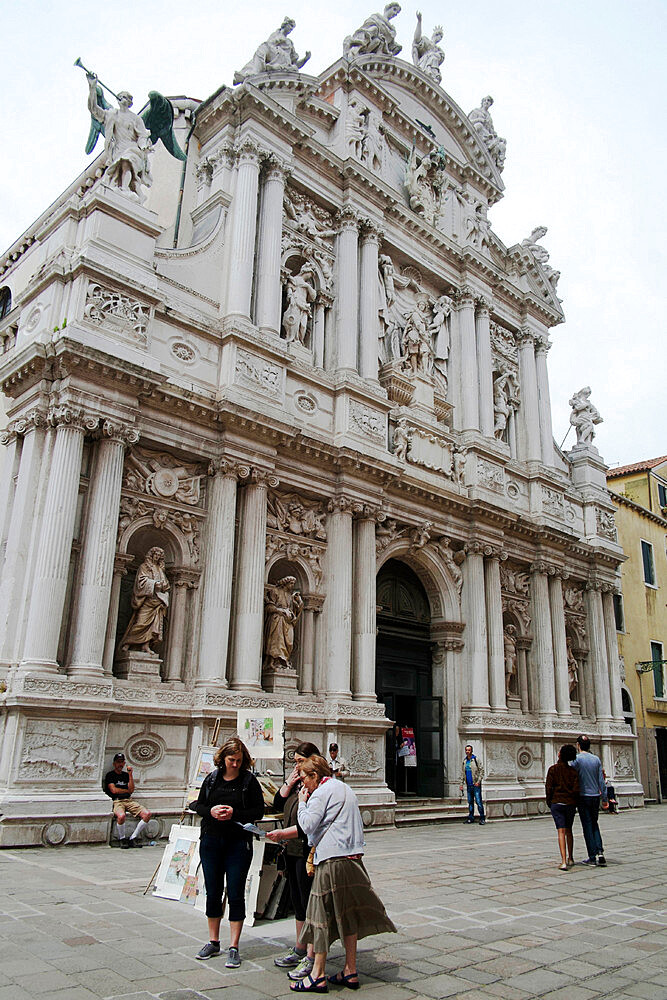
[[472, 773], [592, 789]]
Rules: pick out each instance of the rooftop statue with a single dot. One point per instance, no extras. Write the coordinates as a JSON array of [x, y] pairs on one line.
[[483, 125], [540, 254], [376, 36], [426, 53], [276, 55], [584, 417]]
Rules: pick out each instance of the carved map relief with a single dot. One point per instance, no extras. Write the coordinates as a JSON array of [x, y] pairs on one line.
[[256, 373], [57, 750], [367, 423]]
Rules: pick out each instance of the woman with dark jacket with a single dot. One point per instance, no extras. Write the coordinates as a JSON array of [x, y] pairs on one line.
[[562, 794], [299, 959], [229, 797]]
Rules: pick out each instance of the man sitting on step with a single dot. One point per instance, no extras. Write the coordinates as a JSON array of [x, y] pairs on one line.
[[119, 786]]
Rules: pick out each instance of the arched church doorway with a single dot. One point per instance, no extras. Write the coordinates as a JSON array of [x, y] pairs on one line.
[[404, 682]]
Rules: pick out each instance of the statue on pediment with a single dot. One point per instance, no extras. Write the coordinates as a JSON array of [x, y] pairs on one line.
[[482, 122], [540, 254], [276, 55], [426, 52], [584, 417], [376, 36], [127, 141], [424, 181]]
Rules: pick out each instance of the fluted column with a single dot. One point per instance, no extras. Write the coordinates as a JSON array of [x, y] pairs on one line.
[[338, 606], [522, 646], [9, 462], [120, 567], [368, 301], [530, 416], [269, 290], [494, 630], [249, 606], [312, 607], [98, 550], [454, 376], [47, 600], [21, 507], [485, 367], [598, 654], [475, 634], [182, 581], [542, 643], [612, 653], [468, 347], [542, 346], [243, 231], [321, 303], [218, 576], [348, 291], [364, 607], [558, 639]]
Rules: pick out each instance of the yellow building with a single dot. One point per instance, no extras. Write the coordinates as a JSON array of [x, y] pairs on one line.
[[639, 492]]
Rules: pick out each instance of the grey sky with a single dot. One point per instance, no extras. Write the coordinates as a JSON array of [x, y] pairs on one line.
[[579, 91]]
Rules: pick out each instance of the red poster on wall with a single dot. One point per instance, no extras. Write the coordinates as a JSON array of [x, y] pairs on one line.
[[407, 748]]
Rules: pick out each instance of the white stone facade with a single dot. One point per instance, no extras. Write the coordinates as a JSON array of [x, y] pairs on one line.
[[256, 370]]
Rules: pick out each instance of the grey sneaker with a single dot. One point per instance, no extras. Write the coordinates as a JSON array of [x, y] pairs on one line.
[[303, 969], [210, 950], [233, 959], [288, 961]]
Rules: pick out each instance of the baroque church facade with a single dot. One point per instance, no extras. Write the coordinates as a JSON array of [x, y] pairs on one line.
[[301, 364]]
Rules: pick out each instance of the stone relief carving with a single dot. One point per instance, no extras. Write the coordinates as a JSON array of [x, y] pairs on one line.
[[132, 509], [491, 476], [500, 759], [367, 422], [424, 182], [276, 55], [421, 535], [376, 36], [300, 296], [514, 580], [430, 451], [282, 608], [504, 348], [386, 532], [482, 122], [426, 52], [552, 501], [365, 134], [53, 749], [183, 352], [524, 758], [159, 474], [540, 254], [150, 603], [308, 219], [364, 758], [623, 764], [520, 611], [452, 561], [573, 598], [606, 523], [258, 374], [290, 513], [306, 402], [294, 550], [117, 313], [145, 749]]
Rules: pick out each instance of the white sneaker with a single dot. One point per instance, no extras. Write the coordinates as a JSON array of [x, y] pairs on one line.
[[303, 969]]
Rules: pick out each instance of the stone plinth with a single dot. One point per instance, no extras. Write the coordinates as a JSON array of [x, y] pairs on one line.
[[134, 664], [279, 679]]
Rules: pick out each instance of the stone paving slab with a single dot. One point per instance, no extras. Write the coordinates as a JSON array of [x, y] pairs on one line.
[[489, 916]]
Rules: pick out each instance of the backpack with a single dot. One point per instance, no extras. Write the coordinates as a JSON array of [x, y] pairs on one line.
[[210, 782]]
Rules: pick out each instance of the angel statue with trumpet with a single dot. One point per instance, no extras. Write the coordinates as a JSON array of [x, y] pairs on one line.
[[129, 137]]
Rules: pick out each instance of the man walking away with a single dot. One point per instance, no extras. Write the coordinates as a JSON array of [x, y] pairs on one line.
[[592, 789], [472, 773]]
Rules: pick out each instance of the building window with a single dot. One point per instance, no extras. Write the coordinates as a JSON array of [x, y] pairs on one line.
[[658, 670], [648, 563], [5, 302], [618, 613], [662, 494]]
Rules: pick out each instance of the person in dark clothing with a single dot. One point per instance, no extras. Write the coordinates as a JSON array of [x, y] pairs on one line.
[[562, 794], [229, 797], [119, 786], [299, 959]]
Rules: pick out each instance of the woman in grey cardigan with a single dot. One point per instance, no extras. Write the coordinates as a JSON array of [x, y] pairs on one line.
[[342, 903]]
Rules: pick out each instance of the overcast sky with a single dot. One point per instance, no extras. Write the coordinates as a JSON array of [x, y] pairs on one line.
[[579, 89]]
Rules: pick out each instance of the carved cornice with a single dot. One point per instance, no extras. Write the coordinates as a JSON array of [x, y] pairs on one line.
[[74, 417]]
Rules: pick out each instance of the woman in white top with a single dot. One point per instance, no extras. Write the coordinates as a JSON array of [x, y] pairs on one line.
[[342, 903]]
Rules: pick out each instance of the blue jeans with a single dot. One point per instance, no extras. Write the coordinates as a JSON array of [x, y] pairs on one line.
[[475, 795], [222, 860], [589, 807]]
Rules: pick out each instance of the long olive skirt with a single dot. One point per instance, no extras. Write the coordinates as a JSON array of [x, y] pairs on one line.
[[342, 902]]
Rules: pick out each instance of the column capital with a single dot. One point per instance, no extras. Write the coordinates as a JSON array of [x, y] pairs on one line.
[[370, 231], [254, 476], [248, 151], [593, 585], [36, 417], [275, 167], [347, 219], [542, 344], [540, 566], [525, 336], [484, 303], [344, 505], [122, 562], [124, 434], [474, 548], [182, 576], [74, 417], [465, 297], [368, 512], [227, 467], [313, 602]]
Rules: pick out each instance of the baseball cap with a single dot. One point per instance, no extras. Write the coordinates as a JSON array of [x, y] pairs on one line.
[[118, 756], [333, 746]]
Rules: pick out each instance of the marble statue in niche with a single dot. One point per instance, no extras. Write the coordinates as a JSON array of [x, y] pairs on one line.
[[365, 134], [572, 669], [150, 603], [510, 653], [276, 55], [376, 36], [424, 182], [540, 254], [282, 608], [426, 52], [416, 341], [584, 417], [501, 404], [401, 440], [442, 308], [482, 122], [478, 226], [392, 312], [300, 295], [127, 141]]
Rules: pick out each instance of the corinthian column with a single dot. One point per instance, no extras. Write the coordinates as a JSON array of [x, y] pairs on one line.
[[47, 600], [612, 652], [468, 347], [98, 550], [485, 367], [338, 604], [598, 654], [476, 633], [368, 299], [218, 576], [120, 566], [494, 628], [249, 616], [9, 464], [268, 295], [530, 416], [558, 639], [364, 607], [542, 644], [348, 291], [244, 226], [542, 346]]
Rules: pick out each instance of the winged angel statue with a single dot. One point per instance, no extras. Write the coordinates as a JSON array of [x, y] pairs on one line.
[[129, 137]]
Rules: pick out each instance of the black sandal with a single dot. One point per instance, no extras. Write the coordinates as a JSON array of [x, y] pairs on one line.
[[338, 979], [300, 987]]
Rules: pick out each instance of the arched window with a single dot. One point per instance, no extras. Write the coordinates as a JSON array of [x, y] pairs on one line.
[[5, 301]]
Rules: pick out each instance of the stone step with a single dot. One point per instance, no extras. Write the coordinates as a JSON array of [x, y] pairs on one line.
[[413, 811]]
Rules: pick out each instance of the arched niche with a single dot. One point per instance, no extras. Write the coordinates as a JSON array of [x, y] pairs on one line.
[[434, 575], [293, 260]]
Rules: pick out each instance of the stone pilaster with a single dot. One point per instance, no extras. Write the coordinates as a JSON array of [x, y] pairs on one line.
[[98, 550], [347, 300], [558, 639], [249, 617], [269, 291], [243, 231], [218, 576], [182, 580], [476, 632], [368, 301], [612, 652], [120, 568], [338, 606], [312, 607], [468, 348], [529, 412], [9, 464], [485, 367], [47, 600], [543, 654], [542, 346], [598, 653], [494, 631], [364, 606]]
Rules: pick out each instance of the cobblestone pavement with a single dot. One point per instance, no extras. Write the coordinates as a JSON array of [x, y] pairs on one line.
[[481, 912]]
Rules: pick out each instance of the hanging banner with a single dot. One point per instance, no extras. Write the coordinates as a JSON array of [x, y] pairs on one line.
[[407, 749], [261, 729]]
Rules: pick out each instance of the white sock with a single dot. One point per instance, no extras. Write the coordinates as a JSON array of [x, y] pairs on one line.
[[140, 826], [120, 827]]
